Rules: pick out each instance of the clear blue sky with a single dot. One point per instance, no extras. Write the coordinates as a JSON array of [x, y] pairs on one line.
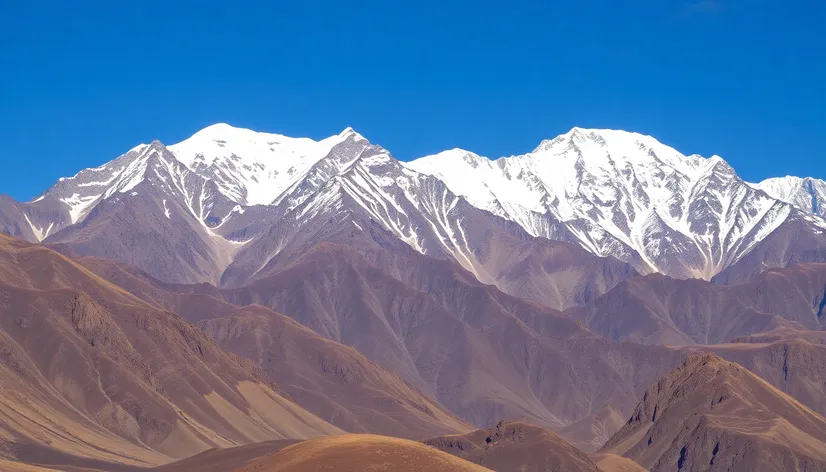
[[83, 81]]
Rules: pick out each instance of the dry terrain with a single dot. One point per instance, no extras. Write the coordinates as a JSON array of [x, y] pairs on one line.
[[93, 376], [226, 459], [359, 453], [710, 414], [516, 447], [656, 309]]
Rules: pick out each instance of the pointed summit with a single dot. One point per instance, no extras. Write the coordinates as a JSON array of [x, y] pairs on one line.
[[155, 145], [576, 135], [711, 411], [350, 133]]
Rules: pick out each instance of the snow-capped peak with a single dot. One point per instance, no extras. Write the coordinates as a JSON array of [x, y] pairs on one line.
[[806, 194], [614, 191], [594, 145], [249, 167], [81, 192], [349, 132]]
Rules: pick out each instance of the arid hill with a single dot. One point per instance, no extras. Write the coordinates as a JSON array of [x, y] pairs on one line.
[[359, 453], [325, 377], [481, 353], [613, 463], [334, 381], [226, 459], [410, 328], [790, 363], [333, 287], [92, 375], [710, 414], [516, 447]]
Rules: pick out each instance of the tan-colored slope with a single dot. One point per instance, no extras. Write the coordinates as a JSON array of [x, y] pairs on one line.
[[192, 302], [91, 375], [516, 447], [359, 453], [479, 349], [613, 463], [583, 388], [710, 414], [591, 432], [334, 381], [791, 363], [483, 354], [7, 466], [814, 337], [226, 459], [331, 380]]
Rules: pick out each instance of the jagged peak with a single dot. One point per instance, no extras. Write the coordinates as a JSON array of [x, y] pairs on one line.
[[154, 146], [793, 179], [600, 136]]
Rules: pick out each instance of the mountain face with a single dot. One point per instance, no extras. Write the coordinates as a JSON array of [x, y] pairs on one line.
[[335, 382], [806, 194], [656, 309], [331, 380], [486, 355], [481, 353], [222, 206], [709, 414], [628, 196]]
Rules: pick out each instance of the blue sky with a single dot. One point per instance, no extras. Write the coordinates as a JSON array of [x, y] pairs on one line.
[[82, 82]]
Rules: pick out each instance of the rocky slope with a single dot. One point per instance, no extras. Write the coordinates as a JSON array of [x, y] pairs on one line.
[[92, 375], [709, 414], [334, 290], [481, 353], [333, 381], [628, 196], [660, 310]]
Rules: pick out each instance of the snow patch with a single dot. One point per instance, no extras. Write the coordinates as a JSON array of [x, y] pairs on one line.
[[39, 233], [79, 205]]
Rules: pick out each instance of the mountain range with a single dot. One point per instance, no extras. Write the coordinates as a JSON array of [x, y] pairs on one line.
[[221, 206], [239, 293]]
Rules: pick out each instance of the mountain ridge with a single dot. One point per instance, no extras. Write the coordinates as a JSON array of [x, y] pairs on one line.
[[710, 414], [614, 193]]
